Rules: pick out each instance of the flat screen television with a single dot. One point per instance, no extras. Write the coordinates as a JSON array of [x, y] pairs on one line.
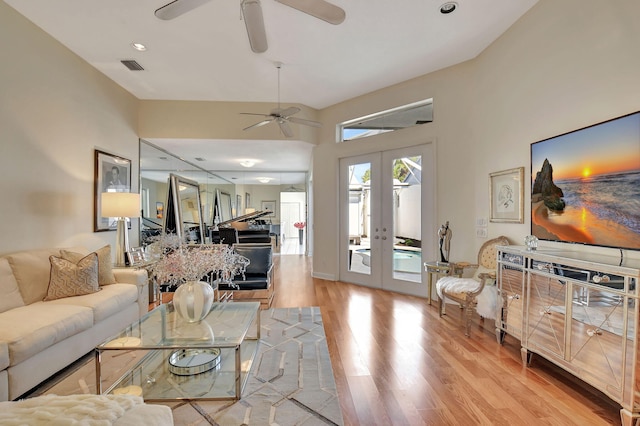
[[585, 185]]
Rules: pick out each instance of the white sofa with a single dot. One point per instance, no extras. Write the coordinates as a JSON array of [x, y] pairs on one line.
[[39, 338]]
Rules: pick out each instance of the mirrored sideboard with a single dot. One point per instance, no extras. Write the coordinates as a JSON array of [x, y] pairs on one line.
[[577, 310]]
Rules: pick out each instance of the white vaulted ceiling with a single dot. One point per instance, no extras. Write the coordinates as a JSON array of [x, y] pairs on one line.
[[205, 55]]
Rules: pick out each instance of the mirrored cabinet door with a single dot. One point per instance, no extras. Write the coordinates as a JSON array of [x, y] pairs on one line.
[[546, 311]]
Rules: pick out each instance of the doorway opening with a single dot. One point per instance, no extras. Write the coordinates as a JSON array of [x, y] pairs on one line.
[[293, 222]]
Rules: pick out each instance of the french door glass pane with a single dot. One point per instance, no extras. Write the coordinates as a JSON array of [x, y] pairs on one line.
[[359, 218], [407, 199]]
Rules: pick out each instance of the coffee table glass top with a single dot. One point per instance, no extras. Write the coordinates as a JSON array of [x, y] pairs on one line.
[[143, 353], [226, 326]]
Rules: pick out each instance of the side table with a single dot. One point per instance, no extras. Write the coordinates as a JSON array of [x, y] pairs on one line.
[[155, 296], [440, 269]]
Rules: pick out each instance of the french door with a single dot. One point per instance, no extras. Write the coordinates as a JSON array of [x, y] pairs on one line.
[[386, 213]]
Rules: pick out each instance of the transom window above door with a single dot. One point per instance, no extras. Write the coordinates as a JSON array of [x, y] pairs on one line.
[[390, 120]]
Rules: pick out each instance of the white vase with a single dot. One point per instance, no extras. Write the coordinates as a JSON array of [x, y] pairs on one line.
[[193, 300]]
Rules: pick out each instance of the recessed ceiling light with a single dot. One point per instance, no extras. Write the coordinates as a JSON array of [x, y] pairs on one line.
[[448, 7], [247, 163], [139, 46], [264, 179]]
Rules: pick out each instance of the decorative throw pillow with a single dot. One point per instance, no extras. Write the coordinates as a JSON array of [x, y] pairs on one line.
[[105, 270], [70, 279]]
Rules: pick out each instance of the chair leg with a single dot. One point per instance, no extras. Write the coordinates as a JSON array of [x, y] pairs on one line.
[[440, 304], [468, 314]]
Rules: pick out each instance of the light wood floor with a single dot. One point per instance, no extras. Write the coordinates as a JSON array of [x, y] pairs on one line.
[[397, 363]]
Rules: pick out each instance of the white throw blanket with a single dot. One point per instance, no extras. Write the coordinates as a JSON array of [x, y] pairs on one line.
[[76, 410], [486, 300]]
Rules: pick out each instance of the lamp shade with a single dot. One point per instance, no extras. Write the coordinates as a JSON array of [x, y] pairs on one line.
[[120, 204]]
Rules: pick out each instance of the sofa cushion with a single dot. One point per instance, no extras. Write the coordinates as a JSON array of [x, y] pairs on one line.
[[4, 355], [70, 279], [109, 301], [105, 268], [31, 270], [9, 292], [40, 325]]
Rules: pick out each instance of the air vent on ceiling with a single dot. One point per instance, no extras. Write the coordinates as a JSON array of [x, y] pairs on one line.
[[200, 159], [132, 65]]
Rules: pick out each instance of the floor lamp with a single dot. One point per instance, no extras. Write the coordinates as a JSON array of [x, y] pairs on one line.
[[121, 205]]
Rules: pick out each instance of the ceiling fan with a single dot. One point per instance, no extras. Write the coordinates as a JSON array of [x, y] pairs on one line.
[[282, 116], [252, 15]]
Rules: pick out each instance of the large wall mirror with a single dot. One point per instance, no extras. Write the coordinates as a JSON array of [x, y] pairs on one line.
[[156, 166]]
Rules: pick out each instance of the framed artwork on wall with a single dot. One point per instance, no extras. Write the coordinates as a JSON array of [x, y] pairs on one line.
[[506, 196], [247, 200], [112, 174], [269, 205]]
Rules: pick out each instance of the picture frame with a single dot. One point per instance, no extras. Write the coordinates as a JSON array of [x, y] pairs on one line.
[[239, 210], [136, 256], [112, 174], [159, 209], [247, 200], [269, 205], [506, 196]]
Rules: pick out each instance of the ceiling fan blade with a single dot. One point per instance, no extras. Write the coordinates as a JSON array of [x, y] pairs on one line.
[[259, 124], [318, 8], [305, 122], [288, 111], [253, 20], [284, 127], [255, 113], [176, 8]]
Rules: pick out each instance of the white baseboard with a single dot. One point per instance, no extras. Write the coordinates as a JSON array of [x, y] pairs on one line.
[[328, 277]]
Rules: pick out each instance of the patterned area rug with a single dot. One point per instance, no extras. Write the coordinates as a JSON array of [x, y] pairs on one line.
[[291, 381]]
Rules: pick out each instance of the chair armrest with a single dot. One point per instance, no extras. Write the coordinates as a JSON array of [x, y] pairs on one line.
[[484, 276], [487, 275]]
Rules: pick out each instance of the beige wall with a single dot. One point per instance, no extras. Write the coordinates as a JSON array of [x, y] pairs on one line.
[[55, 110], [562, 66], [215, 120]]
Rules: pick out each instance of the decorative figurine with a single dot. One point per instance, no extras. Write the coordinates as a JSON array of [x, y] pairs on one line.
[[531, 242], [444, 235]]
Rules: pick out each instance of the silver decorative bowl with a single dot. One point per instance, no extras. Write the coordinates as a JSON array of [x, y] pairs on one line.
[[188, 362]]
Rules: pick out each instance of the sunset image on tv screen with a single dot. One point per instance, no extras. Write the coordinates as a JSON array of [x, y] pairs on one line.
[[585, 185]]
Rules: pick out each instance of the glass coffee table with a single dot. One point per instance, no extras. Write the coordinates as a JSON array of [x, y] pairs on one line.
[[169, 359]]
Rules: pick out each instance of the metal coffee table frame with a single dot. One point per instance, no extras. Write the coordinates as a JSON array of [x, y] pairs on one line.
[[157, 334]]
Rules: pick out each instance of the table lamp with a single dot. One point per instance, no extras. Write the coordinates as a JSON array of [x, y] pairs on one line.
[[121, 205]]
